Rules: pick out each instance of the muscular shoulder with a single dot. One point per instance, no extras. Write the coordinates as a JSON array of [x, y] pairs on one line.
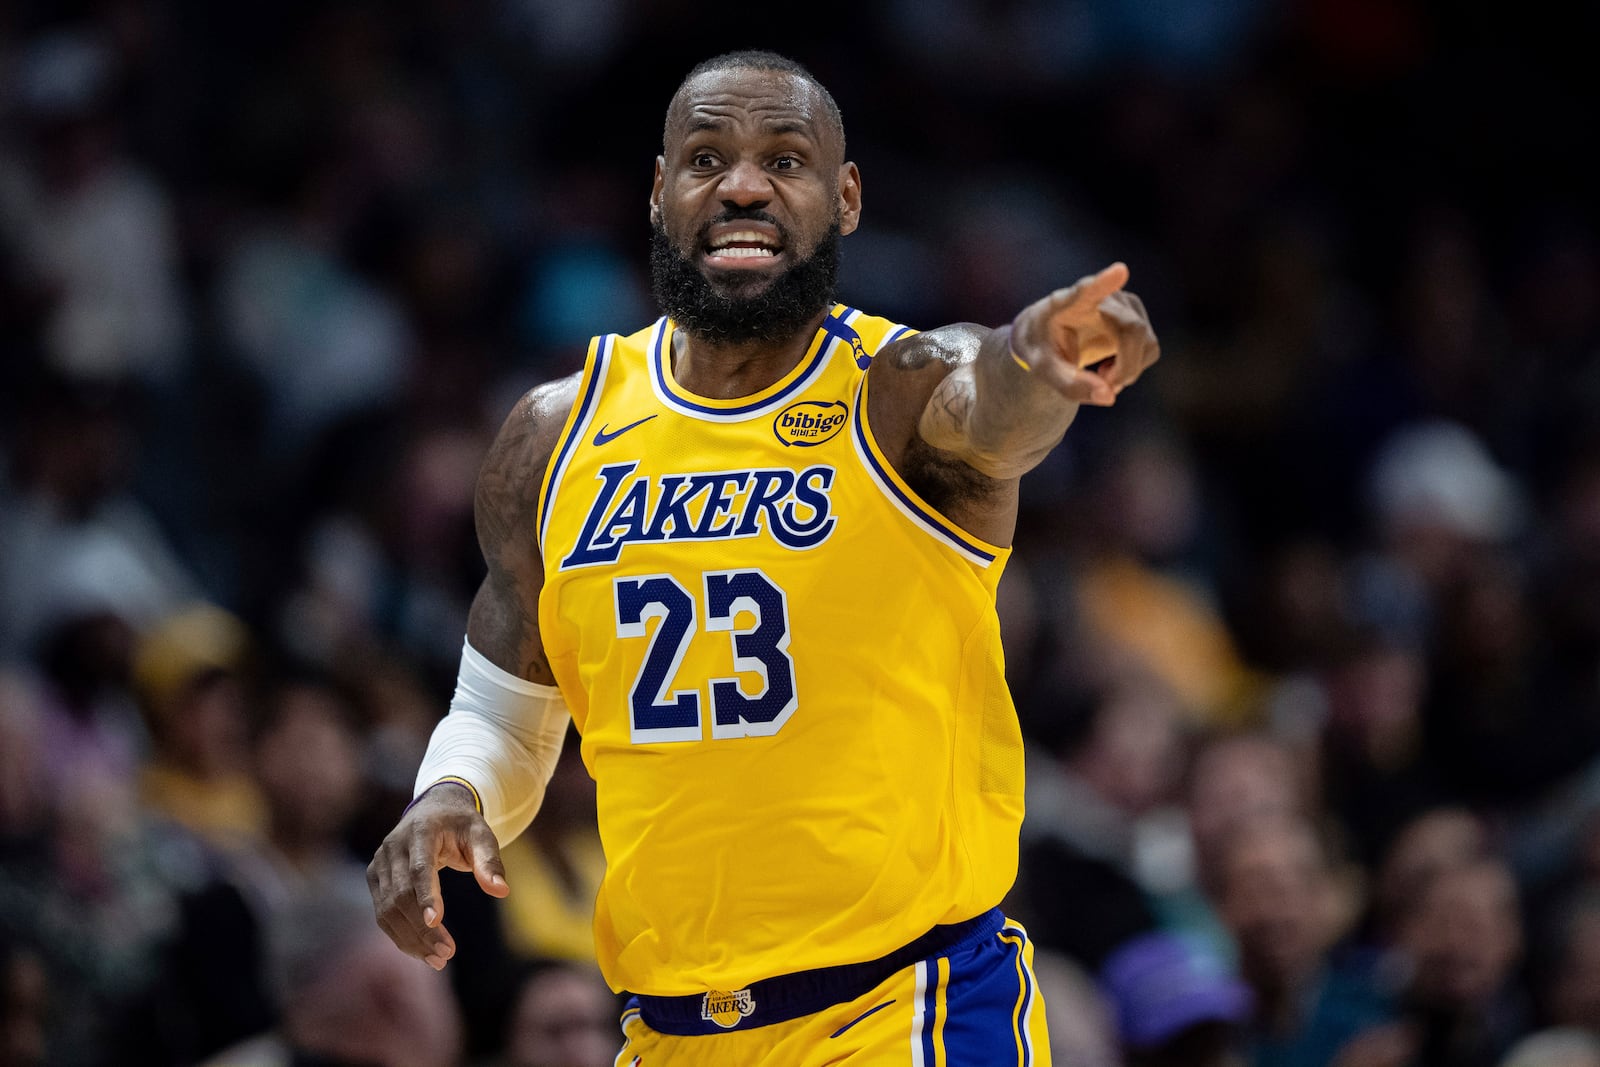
[[936, 351], [507, 495], [529, 434]]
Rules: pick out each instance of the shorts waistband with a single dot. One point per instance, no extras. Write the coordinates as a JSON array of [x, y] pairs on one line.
[[789, 996]]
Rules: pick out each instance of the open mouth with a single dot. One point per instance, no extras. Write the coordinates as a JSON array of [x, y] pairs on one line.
[[742, 244]]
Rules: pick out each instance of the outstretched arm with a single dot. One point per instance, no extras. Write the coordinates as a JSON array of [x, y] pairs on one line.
[[1003, 411], [964, 411], [489, 759]]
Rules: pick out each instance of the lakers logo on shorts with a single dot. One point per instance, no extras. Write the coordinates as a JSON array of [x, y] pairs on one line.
[[726, 1009]]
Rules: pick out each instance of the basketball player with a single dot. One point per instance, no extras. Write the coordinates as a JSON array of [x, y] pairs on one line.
[[752, 551]]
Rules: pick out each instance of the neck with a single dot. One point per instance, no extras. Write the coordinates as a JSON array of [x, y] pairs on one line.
[[725, 371]]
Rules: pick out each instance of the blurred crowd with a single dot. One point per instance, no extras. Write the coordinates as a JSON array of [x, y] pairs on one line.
[[1305, 634]]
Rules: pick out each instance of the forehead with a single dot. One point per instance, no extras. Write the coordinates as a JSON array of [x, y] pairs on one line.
[[742, 99]]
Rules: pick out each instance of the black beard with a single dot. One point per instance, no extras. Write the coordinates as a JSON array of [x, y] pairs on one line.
[[782, 309]]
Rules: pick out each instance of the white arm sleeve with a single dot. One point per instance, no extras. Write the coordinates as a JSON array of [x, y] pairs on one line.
[[501, 740]]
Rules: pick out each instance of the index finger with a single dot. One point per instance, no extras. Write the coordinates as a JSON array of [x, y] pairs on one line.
[[1088, 292]]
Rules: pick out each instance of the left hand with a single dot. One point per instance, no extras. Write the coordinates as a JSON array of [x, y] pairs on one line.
[[1092, 323]]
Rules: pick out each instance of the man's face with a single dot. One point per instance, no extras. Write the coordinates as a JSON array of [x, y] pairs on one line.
[[564, 1017], [750, 197], [1277, 898], [1464, 936]]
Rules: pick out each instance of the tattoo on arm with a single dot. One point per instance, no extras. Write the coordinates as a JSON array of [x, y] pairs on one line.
[[504, 499], [945, 420], [992, 415], [504, 622]]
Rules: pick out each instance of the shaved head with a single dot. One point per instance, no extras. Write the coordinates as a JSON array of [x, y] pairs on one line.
[[829, 118], [751, 196]]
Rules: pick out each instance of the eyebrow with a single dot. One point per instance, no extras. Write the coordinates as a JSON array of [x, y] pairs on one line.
[[790, 126]]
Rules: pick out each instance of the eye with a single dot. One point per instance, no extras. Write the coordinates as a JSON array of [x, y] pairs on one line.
[[786, 162], [702, 160]]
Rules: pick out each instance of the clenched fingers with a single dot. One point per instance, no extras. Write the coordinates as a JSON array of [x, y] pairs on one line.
[[1134, 340]]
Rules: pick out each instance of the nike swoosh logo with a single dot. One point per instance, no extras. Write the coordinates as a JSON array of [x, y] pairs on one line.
[[601, 437]]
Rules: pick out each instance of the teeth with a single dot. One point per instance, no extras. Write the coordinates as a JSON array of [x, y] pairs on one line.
[[744, 252], [742, 237]]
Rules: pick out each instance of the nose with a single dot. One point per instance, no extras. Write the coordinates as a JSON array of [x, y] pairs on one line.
[[745, 184]]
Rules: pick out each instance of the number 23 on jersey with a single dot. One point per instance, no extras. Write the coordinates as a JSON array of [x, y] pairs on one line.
[[660, 711]]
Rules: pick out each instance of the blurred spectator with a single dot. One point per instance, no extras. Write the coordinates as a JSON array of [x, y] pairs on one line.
[[1436, 494], [390, 563], [1293, 611], [24, 1008], [1280, 896], [187, 672], [368, 1006], [1431, 499], [76, 541], [1135, 595], [1508, 722], [94, 229], [1105, 871], [563, 1016], [1464, 942], [1174, 1003], [96, 891], [1235, 778], [1423, 847], [371, 1006], [1104, 833], [322, 341], [93, 735], [1569, 576], [25, 790], [308, 893], [1567, 960], [1378, 769]]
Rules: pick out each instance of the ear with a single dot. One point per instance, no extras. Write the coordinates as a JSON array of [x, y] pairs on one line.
[[849, 198], [655, 191]]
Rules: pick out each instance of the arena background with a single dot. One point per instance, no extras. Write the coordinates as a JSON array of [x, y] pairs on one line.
[[271, 275]]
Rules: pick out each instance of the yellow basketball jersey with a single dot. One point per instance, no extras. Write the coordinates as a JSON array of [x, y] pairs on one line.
[[785, 667]]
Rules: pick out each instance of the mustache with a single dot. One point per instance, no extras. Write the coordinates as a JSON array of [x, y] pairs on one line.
[[742, 214], [773, 314]]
